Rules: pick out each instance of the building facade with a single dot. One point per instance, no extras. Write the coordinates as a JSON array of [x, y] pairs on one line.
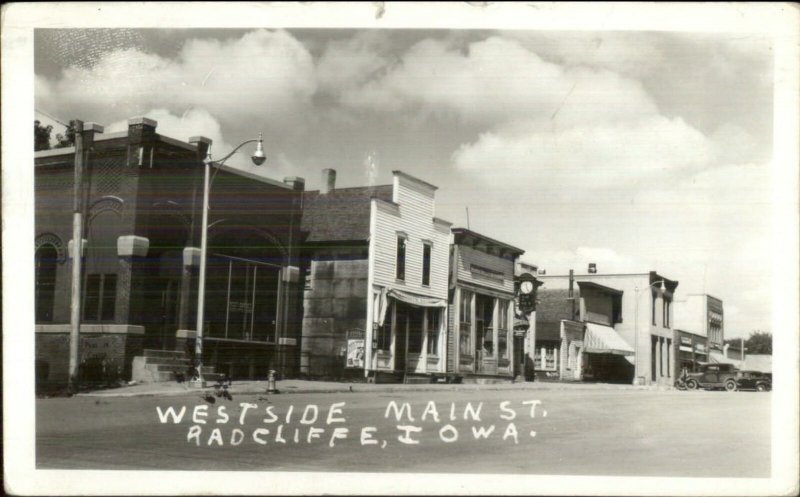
[[480, 335], [642, 317], [691, 350], [376, 291], [576, 339], [142, 198], [703, 315]]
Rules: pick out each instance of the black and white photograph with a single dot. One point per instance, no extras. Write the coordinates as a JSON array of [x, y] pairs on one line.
[[397, 248]]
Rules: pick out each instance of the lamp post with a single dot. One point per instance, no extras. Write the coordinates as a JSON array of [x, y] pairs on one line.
[[258, 158], [637, 291]]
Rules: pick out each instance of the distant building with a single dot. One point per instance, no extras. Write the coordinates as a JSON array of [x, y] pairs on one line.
[[575, 335], [758, 362], [376, 260], [629, 306], [702, 317], [143, 202]]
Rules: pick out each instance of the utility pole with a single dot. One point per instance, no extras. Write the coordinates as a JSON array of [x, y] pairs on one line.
[[77, 259], [84, 138]]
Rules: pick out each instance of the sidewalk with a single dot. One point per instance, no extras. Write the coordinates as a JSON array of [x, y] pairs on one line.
[[307, 386]]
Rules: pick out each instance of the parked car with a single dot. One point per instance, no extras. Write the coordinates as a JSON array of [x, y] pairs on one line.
[[713, 376], [753, 380]]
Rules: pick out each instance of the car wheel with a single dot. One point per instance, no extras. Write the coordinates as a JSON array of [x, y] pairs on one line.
[[691, 385], [761, 387], [730, 386]]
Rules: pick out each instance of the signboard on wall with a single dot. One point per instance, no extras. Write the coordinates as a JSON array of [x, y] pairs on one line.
[[354, 358]]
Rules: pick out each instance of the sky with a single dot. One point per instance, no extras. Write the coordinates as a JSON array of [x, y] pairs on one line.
[[633, 150]]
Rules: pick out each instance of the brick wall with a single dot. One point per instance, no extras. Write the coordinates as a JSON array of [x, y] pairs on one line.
[[104, 357]]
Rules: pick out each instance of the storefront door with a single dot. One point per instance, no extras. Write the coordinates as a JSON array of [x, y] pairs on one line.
[[410, 334], [485, 360]]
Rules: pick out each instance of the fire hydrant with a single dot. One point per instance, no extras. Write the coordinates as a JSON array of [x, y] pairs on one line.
[[271, 388]]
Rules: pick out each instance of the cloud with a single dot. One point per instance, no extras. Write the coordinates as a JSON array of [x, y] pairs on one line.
[[350, 63], [263, 74], [496, 81], [632, 54], [608, 261], [194, 122], [587, 157]]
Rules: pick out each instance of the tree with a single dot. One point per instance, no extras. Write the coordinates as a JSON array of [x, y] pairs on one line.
[[759, 342], [41, 136]]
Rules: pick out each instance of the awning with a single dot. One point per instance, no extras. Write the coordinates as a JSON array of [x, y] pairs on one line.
[[718, 358], [605, 340], [417, 300]]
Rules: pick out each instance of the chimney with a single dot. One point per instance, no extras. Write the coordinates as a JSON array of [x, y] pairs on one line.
[[328, 180]]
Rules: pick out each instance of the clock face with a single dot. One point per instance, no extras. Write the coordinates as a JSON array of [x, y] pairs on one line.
[[526, 287]]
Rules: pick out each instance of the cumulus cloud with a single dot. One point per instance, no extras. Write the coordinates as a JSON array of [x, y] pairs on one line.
[[194, 122], [626, 53], [498, 80], [268, 74], [348, 64], [607, 260], [587, 156]]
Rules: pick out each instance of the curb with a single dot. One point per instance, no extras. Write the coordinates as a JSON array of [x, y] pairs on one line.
[[388, 388]]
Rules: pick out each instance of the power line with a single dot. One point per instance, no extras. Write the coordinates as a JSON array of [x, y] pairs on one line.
[[52, 117]]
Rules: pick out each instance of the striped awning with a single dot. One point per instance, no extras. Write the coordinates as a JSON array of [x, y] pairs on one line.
[[605, 340]]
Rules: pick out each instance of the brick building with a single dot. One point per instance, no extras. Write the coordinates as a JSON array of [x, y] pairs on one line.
[[142, 202]]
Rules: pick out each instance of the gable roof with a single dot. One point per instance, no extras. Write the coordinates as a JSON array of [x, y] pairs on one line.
[[342, 214]]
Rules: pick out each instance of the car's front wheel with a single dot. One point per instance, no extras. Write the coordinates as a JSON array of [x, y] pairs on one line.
[[730, 386], [761, 387], [691, 385]]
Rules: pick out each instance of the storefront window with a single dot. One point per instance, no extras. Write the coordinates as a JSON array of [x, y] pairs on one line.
[[384, 334], [465, 323], [434, 318], [547, 358], [502, 329], [550, 359], [484, 329], [242, 299], [415, 322]]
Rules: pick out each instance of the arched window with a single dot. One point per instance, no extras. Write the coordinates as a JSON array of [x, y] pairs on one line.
[[46, 262]]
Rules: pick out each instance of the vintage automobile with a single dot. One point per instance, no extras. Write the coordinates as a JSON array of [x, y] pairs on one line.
[[713, 376], [753, 380]]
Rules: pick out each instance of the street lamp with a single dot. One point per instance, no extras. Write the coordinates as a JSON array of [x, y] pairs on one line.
[[258, 158], [637, 292]]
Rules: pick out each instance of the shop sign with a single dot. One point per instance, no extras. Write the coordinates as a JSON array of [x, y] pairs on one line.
[[685, 349], [686, 340], [700, 347], [355, 349]]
